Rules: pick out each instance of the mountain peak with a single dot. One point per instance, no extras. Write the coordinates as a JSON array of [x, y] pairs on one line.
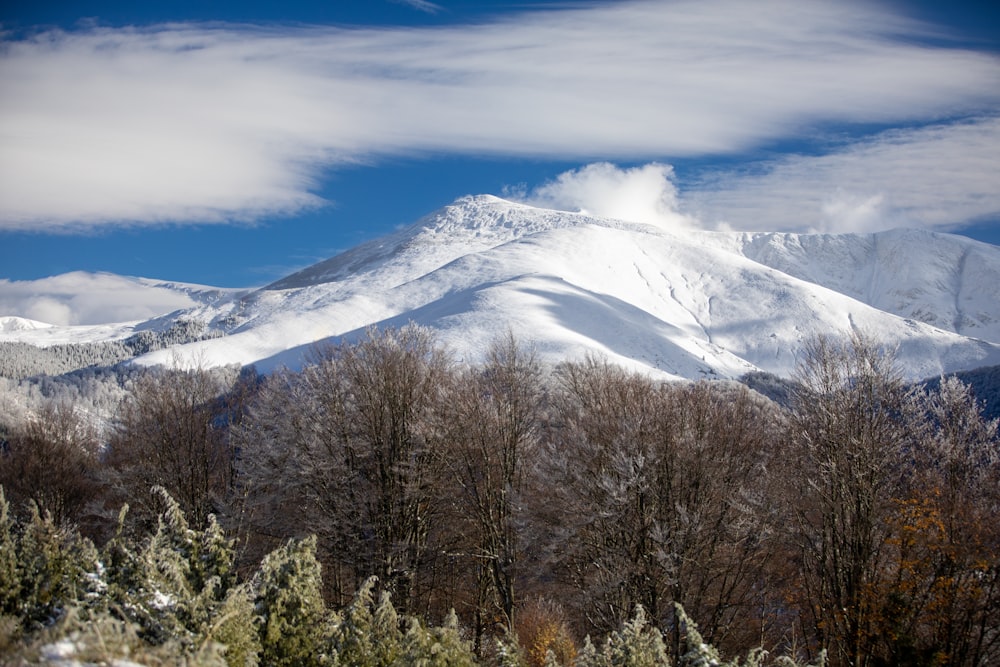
[[679, 305], [470, 224], [493, 219]]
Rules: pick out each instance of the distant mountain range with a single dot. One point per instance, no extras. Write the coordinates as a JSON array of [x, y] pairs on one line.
[[675, 303]]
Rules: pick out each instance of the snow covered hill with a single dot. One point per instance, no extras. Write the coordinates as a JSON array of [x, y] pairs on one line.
[[675, 303], [941, 279]]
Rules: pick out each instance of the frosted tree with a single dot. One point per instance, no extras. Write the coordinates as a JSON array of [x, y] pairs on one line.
[[171, 432], [10, 583], [851, 432], [441, 646], [491, 432], [943, 596], [289, 603], [659, 494], [45, 567], [181, 586], [52, 461], [348, 440], [173, 597], [637, 644]]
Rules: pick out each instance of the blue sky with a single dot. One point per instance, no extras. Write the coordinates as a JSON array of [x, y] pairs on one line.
[[231, 143]]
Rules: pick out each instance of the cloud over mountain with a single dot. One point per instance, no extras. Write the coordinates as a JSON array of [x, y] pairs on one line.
[[196, 123], [937, 176], [640, 194], [80, 298]]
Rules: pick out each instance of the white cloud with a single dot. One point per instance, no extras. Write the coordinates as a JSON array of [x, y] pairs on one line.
[[210, 123], [43, 309], [640, 194], [420, 5], [940, 176], [88, 298]]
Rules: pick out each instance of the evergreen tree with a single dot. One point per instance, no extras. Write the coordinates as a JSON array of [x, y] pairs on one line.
[[180, 588], [188, 572], [638, 644], [589, 656], [355, 636], [10, 584], [234, 627], [435, 647], [56, 568], [290, 606]]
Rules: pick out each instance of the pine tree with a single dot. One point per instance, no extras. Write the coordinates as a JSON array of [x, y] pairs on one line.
[[699, 654], [290, 606], [124, 574], [589, 656], [233, 626], [188, 573], [509, 653], [10, 583], [181, 587], [55, 568], [638, 644], [435, 647], [385, 631], [354, 637]]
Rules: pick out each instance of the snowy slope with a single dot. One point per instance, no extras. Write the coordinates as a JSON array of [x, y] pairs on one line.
[[948, 281], [682, 304], [11, 324], [675, 303]]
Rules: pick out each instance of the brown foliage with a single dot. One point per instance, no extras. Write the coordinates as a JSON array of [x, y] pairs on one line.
[[344, 449], [542, 628], [662, 499], [173, 432], [52, 460]]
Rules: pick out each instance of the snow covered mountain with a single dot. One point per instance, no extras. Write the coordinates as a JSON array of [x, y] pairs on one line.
[[677, 303]]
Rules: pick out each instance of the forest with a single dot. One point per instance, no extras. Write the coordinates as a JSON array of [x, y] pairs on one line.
[[388, 504], [23, 360]]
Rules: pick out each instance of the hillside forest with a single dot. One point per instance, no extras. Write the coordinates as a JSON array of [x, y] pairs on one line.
[[388, 504]]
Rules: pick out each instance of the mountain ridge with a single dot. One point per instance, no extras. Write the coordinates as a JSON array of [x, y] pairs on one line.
[[677, 303], [954, 259]]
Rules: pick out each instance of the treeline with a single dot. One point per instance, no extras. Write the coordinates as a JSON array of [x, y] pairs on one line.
[[858, 524], [176, 598], [983, 382], [22, 360]]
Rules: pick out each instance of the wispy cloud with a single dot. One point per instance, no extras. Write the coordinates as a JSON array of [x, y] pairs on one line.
[[420, 5], [940, 176], [213, 123]]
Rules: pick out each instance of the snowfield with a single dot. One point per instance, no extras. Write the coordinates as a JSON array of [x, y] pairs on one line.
[[678, 304]]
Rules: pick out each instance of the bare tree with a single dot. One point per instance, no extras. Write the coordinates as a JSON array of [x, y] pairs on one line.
[[941, 600], [600, 458], [172, 431], [52, 460], [490, 431], [850, 428], [662, 494], [343, 447], [720, 518]]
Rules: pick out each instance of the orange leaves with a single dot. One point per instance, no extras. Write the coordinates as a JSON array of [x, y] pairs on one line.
[[541, 628]]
